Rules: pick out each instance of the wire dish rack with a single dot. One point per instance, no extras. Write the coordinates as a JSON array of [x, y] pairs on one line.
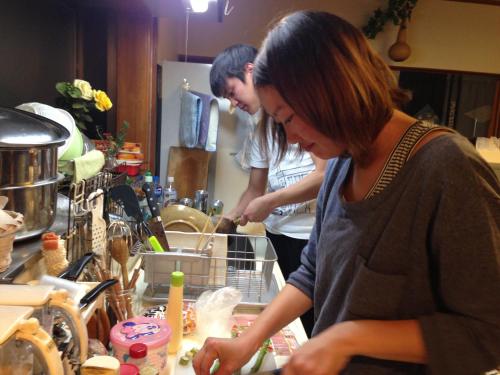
[[243, 262]]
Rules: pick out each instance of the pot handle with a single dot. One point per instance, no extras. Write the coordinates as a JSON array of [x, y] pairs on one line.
[[94, 293], [76, 268]]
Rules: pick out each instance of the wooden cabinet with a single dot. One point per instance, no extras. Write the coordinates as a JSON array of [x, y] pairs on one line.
[[122, 53], [132, 76]]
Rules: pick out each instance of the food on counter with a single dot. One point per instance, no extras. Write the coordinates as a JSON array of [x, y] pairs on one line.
[[131, 147], [264, 349], [188, 356], [188, 316], [54, 253], [130, 156], [101, 365]]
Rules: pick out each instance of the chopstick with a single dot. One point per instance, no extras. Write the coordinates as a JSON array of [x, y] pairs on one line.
[[135, 275], [213, 232], [203, 232]]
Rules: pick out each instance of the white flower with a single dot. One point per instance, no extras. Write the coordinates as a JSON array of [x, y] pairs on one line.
[[84, 87]]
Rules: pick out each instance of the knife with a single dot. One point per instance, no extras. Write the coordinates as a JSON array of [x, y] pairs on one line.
[[155, 223], [125, 196]]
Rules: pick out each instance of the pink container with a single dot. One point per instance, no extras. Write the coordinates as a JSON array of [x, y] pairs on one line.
[[154, 333]]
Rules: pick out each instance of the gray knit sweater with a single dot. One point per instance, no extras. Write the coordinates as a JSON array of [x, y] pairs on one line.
[[427, 247]]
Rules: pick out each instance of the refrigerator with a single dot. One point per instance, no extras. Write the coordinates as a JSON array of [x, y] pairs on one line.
[[226, 178]]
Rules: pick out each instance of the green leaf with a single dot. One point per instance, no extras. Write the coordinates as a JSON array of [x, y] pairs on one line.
[[62, 88], [81, 125], [77, 105], [87, 118], [74, 92]]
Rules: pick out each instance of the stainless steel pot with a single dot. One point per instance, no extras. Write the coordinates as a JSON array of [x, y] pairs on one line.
[[37, 203], [28, 167]]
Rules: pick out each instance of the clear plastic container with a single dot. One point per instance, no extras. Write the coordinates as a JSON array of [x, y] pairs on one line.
[[169, 193]]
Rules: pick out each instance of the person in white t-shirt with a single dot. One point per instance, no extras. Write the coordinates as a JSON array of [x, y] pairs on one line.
[[281, 191]]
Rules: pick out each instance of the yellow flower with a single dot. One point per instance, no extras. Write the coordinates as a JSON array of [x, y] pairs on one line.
[[102, 102], [84, 87]]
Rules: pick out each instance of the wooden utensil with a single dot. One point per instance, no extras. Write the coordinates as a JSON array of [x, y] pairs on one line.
[[203, 232], [120, 253], [213, 232]]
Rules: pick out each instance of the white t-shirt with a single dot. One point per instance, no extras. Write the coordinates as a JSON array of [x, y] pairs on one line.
[[292, 220]]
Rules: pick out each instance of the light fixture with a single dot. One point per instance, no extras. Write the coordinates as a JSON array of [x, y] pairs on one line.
[[199, 6]]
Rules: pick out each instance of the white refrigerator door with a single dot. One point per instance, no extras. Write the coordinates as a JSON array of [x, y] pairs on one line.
[[226, 180]]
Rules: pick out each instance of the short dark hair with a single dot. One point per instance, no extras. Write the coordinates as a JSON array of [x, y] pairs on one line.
[[325, 70], [230, 63]]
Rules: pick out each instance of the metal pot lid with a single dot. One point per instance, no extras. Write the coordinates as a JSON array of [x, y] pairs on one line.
[[23, 129]]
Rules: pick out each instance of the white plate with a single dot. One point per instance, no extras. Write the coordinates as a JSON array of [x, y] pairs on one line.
[[129, 161], [128, 152]]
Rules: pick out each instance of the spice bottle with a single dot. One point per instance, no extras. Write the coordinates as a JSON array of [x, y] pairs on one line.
[[138, 354], [129, 369], [174, 311]]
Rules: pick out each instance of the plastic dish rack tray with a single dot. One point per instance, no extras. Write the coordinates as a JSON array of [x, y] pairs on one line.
[[243, 262]]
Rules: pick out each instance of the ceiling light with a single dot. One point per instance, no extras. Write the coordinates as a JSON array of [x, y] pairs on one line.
[[199, 6]]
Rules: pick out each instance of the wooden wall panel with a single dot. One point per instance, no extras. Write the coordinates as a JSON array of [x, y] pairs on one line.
[[135, 79]]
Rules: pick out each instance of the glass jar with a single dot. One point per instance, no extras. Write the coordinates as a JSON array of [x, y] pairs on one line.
[[124, 303]]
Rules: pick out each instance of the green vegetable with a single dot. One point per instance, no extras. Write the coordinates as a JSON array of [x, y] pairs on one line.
[[184, 361], [260, 356], [215, 367]]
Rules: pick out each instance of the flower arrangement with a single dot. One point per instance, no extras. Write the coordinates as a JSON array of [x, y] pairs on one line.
[[79, 99], [116, 143]]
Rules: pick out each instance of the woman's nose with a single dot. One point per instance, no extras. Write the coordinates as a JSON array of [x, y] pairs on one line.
[[291, 136]]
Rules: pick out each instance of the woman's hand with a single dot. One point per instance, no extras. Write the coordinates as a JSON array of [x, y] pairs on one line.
[[324, 354], [231, 353], [257, 210]]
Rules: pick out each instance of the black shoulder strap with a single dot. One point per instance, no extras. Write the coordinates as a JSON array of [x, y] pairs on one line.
[[401, 153]]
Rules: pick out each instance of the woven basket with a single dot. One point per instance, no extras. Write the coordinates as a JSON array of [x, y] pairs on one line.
[[7, 241]]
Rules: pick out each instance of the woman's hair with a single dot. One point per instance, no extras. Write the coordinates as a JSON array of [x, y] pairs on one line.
[[325, 70]]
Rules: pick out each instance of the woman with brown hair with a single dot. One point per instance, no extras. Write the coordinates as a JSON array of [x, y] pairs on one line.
[[402, 266]]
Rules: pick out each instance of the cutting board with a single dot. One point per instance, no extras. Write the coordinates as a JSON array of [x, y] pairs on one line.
[[189, 167], [268, 364]]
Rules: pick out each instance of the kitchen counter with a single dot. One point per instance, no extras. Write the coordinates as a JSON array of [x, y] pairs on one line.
[[189, 342]]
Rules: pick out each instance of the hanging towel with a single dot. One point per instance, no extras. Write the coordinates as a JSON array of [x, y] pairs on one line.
[[88, 165], [189, 119], [213, 126], [209, 105]]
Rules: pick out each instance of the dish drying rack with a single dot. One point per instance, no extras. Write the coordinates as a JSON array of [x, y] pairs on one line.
[[80, 232], [240, 261]]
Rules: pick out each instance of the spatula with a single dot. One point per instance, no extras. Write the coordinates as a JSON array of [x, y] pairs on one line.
[[125, 196]]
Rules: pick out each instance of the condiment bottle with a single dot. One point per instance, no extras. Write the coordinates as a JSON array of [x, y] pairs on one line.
[[174, 311], [138, 354], [129, 369]]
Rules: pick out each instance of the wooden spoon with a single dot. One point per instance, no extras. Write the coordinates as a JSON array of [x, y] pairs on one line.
[[120, 253]]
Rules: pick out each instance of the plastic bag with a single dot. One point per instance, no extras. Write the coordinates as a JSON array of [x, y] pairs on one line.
[[214, 310]]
